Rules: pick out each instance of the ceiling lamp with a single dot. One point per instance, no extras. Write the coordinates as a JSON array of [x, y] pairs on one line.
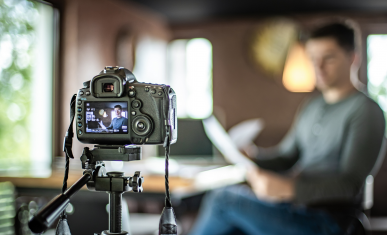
[[298, 75]]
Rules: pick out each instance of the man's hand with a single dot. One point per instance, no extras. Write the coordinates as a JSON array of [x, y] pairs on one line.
[[250, 150], [270, 186], [102, 125]]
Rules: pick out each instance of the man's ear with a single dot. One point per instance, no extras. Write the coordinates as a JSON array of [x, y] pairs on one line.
[[356, 60]]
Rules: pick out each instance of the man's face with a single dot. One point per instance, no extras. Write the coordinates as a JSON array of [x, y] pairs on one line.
[[331, 62], [118, 112]]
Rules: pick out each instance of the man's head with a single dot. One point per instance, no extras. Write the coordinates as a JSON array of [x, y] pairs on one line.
[[332, 51], [118, 110]]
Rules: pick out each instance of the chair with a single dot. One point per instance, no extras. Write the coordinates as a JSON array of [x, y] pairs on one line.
[[360, 224]]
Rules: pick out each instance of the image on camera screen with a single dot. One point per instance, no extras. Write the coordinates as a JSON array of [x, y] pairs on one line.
[[106, 117]]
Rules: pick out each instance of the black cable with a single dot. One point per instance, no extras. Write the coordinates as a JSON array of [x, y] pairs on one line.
[[66, 174], [168, 202], [167, 224]]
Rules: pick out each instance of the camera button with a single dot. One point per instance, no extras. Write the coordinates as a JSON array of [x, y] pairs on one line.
[[136, 104], [87, 92], [133, 113], [160, 93], [79, 109], [132, 93], [79, 124], [141, 125], [79, 117], [153, 91], [79, 102], [81, 93], [80, 132], [146, 89]]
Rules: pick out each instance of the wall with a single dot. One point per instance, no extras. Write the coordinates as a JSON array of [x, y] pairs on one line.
[[241, 91]]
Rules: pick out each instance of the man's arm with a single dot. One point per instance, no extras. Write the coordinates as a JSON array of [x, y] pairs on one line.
[[125, 122], [284, 155], [359, 154], [109, 127], [281, 157], [111, 124]]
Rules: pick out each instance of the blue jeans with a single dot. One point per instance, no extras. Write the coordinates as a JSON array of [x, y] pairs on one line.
[[236, 210]]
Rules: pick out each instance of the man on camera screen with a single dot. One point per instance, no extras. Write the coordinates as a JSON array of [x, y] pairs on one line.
[[119, 122]]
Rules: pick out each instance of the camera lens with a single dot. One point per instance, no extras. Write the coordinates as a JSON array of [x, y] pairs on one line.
[[142, 125], [108, 87]]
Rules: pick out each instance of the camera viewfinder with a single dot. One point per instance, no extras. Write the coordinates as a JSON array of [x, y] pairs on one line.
[[108, 87]]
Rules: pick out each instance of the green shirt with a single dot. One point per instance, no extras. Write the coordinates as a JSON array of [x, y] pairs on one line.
[[331, 147]]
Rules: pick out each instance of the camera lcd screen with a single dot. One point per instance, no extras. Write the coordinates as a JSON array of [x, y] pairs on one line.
[[106, 117]]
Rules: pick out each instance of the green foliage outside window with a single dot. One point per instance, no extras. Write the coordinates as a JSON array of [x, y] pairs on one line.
[[17, 38]]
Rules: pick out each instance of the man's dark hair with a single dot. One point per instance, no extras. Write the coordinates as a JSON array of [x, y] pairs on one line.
[[343, 34], [118, 106]]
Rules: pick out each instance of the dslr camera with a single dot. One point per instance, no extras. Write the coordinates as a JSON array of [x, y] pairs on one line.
[[115, 109]]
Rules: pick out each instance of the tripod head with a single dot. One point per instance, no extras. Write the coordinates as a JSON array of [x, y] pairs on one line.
[[93, 160], [97, 179]]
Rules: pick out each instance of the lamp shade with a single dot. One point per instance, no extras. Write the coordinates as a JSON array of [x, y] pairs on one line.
[[298, 75]]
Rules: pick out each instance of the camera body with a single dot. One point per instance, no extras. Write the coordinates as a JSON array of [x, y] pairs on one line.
[[115, 109]]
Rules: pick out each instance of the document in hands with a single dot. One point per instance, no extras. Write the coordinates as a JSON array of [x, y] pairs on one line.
[[243, 134]]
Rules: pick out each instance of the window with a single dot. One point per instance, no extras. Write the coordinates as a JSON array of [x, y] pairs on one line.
[[26, 84], [377, 69], [150, 63], [190, 75]]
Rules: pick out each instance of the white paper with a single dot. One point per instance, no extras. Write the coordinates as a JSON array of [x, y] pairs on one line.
[[222, 141], [244, 133]]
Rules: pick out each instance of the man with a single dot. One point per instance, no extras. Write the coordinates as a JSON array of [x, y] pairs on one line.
[[313, 179], [118, 123]]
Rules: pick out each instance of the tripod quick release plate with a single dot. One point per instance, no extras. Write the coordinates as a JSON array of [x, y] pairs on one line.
[[109, 153]]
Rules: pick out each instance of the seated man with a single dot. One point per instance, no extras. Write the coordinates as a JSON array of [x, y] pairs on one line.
[[313, 179], [119, 122]]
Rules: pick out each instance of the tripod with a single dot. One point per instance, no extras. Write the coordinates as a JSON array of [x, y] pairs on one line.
[[114, 183], [96, 179]]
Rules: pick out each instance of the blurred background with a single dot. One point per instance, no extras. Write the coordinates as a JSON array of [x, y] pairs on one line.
[[238, 60]]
